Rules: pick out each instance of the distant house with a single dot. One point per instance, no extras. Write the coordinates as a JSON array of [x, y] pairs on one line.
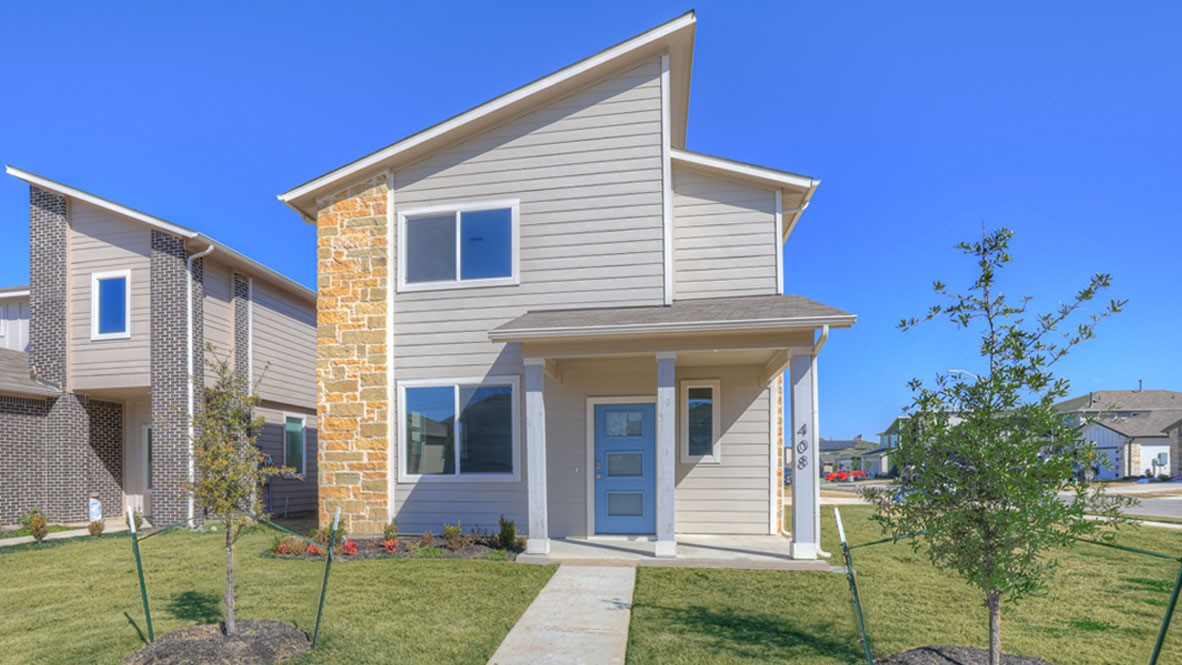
[[14, 318], [844, 454], [1136, 431]]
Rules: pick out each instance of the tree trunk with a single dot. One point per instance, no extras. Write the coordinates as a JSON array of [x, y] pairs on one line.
[[993, 600], [229, 617]]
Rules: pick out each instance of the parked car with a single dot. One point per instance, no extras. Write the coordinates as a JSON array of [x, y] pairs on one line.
[[844, 476]]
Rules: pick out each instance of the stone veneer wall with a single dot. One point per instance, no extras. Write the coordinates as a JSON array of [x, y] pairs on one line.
[[352, 369], [170, 435]]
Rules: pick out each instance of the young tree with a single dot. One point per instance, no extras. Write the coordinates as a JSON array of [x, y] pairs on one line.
[[989, 464], [230, 469]]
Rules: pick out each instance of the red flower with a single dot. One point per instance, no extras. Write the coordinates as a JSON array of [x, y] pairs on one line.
[[314, 551], [390, 545], [350, 547]]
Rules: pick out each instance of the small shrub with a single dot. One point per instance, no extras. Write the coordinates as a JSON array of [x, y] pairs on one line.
[[95, 528], [390, 545], [38, 527], [521, 543], [453, 535], [349, 548], [291, 545], [426, 539], [390, 532], [26, 518], [507, 536], [412, 547], [322, 535], [429, 553], [1163, 477]]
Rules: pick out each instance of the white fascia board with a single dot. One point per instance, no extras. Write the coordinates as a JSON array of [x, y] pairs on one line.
[[259, 269], [5, 295], [843, 321], [98, 201], [790, 221], [499, 104], [758, 174]]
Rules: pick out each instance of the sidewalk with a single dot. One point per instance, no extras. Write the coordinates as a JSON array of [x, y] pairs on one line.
[[580, 617], [113, 525]]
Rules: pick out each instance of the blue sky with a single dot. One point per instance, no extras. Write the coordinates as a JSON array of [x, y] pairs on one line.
[[924, 120]]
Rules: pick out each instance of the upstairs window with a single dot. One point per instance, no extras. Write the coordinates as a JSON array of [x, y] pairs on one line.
[[700, 421], [458, 246], [110, 305]]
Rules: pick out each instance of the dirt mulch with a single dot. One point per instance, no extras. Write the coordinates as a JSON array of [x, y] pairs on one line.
[[408, 548], [944, 655], [257, 642]]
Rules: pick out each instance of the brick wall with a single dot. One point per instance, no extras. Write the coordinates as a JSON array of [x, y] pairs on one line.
[[241, 325], [351, 365], [104, 455], [170, 442], [22, 466], [48, 242]]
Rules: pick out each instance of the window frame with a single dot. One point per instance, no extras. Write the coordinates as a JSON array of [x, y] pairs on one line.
[[511, 380], [95, 303], [715, 385], [303, 470], [514, 279], [4, 319]]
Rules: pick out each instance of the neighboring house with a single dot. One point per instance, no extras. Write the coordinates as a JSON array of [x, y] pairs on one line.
[[547, 308], [100, 403], [14, 318], [1134, 430], [844, 454]]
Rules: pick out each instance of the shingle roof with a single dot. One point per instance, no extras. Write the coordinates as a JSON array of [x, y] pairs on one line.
[[1124, 400], [1147, 424], [14, 375], [748, 311]]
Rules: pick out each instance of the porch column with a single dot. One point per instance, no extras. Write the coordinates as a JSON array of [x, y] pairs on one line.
[[666, 452], [538, 539], [802, 439]]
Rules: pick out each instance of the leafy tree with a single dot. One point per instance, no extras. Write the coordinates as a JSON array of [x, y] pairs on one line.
[[229, 466], [988, 463]]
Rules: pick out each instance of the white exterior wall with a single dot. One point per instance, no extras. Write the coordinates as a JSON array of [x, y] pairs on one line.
[[1150, 448], [725, 237], [587, 171], [14, 324], [101, 241]]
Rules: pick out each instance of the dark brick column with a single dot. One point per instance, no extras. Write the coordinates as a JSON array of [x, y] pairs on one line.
[[241, 325], [170, 442], [23, 464], [66, 442], [48, 239]]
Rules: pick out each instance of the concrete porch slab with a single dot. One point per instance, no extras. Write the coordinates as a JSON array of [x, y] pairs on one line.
[[743, 552]]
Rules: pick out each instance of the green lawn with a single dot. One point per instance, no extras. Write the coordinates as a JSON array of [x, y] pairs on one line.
[[77, 601], [1104, 606]]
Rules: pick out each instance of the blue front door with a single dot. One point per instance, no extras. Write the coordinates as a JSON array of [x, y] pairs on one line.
[[625, 471]]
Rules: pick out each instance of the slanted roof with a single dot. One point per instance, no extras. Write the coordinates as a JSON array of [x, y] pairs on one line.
[[15, 376], [674, 37], [1148, 424], [1123, 400], [9, 292], [222, 252], [718, 314]]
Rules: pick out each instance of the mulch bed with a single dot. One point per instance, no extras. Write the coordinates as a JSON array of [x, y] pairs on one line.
[[944, 655], [256, 642], [408, 548]]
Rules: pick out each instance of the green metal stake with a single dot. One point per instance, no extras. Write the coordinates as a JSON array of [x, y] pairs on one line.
[[1165, 622], [332, 540], [849, 567], [139, 565]]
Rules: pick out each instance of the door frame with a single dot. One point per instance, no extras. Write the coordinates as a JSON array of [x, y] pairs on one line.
[[589, 445]]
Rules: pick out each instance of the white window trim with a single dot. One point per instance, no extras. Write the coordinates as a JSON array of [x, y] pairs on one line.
[[514, 279], [95, 278], [716, 420], [512, 380], [4, 318], [303, 470]]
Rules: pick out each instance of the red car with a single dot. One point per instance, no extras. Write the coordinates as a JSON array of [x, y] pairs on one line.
[[842, 476]]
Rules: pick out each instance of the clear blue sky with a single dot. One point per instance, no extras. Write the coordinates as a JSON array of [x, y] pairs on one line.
[[924, 120]]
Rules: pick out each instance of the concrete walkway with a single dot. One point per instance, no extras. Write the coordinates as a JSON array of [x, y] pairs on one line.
[[580, 617], [111, 526]]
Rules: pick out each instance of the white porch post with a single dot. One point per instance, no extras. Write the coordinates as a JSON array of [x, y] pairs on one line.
[[538, 539], [802, 440], [666, 452]]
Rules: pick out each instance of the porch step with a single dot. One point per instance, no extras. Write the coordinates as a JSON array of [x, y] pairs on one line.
[[581, 616]]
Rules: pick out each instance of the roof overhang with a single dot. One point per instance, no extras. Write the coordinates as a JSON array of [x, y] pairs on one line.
[[226, 254], [14, 293], [675, 38], [664, 329]]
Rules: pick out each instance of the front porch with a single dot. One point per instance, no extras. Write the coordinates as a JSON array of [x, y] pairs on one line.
[[616, 467], [693, 551]]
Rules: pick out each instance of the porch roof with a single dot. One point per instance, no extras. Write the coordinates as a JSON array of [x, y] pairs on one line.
[[748, 313], [15, 377]]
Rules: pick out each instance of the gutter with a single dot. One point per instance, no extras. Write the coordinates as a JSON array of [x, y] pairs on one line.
[[747, 325], [189, 360]]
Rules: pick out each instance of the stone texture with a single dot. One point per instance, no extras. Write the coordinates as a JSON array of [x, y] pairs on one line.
[[353, 406]]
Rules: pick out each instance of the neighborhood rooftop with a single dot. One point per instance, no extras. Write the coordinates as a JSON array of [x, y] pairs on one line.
[[787, 311], [1124, 400], [1149, 424]]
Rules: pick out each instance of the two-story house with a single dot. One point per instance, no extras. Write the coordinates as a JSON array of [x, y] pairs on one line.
[[548, 308], [1133, 430], [118, 313]]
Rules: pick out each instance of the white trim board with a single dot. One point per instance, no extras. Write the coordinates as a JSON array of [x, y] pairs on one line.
[[95, 304], [514, 278]]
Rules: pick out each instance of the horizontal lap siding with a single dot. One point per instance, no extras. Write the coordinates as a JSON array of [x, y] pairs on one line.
[[724, 238], [284, 342], [587, 170], [290, 494], [217, 311], [101, 241], [733, 495]]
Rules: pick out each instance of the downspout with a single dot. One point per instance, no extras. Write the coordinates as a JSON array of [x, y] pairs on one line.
[[816, 350], [189, 360]]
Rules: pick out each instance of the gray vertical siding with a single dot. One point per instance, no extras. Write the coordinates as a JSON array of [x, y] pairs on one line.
[[725, 237], [587, 170], [102, 241]]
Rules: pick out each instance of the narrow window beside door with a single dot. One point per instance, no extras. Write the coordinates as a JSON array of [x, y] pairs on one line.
[[293, 443], [700, 424]]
